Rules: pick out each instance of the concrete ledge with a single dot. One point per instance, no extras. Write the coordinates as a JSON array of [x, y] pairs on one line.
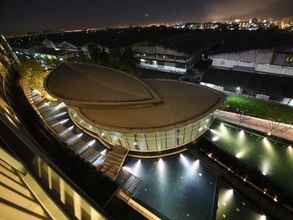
[[139, 208], [46, 202]]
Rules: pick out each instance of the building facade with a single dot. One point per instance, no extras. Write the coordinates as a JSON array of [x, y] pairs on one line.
[[155, 141], [272, 61], [162, 59], [151, 115]]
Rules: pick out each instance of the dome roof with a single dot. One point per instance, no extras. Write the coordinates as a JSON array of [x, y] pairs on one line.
[[92, 85], [166, 103]]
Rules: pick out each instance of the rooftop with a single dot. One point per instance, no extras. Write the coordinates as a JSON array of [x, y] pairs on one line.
[[139, 104]]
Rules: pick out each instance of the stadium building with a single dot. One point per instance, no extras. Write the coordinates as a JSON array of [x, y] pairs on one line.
[[142, 116]]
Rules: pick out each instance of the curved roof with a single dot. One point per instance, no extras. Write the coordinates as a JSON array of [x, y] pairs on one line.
[[181, 102], [86, 84]]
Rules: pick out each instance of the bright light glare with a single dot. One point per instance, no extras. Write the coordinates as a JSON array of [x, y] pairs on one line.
[[59, 106], [241, 134], [215, 138], [104, 152], [91, 143], [267, 144], [74, 138], [195, 164], [265, 168], [184, 160], [240, 154], [137, 167], [214, 131], [46, 104], [227, 196], [262, 217], [86, 146], [66, 131], [290, 149], [10, 120], [161, 164], [128, 169], [62, 122], [57, 115]]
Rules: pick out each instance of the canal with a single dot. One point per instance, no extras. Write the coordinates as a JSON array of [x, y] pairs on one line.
[[183, 187], [271, 157]]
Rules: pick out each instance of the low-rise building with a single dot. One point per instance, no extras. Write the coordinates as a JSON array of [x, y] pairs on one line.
[[271, 61], [163, 59]]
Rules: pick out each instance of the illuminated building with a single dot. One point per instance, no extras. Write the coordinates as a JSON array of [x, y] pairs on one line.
[[151, 115], [162, 59]]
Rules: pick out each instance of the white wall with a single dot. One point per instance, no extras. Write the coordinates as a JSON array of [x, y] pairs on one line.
[[264, 68]]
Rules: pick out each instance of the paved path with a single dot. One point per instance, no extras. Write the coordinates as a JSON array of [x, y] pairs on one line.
[[281, 130]]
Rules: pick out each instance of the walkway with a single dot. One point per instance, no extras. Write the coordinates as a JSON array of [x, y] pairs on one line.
[[277, 129]]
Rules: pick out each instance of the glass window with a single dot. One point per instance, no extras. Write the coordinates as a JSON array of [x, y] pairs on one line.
[[151, 141], [171, 139]]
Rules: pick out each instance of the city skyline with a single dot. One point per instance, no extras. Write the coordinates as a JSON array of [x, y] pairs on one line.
[[55, 15]]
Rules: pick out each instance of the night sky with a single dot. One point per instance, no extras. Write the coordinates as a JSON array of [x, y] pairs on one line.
[[20, 16]]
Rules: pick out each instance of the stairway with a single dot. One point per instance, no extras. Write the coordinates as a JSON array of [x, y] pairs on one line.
[[114, 161]]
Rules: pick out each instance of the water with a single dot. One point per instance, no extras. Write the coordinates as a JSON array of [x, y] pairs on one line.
[[182, 187], [272, 158]]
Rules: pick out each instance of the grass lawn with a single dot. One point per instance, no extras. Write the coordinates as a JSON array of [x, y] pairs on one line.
[[259, 108]]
